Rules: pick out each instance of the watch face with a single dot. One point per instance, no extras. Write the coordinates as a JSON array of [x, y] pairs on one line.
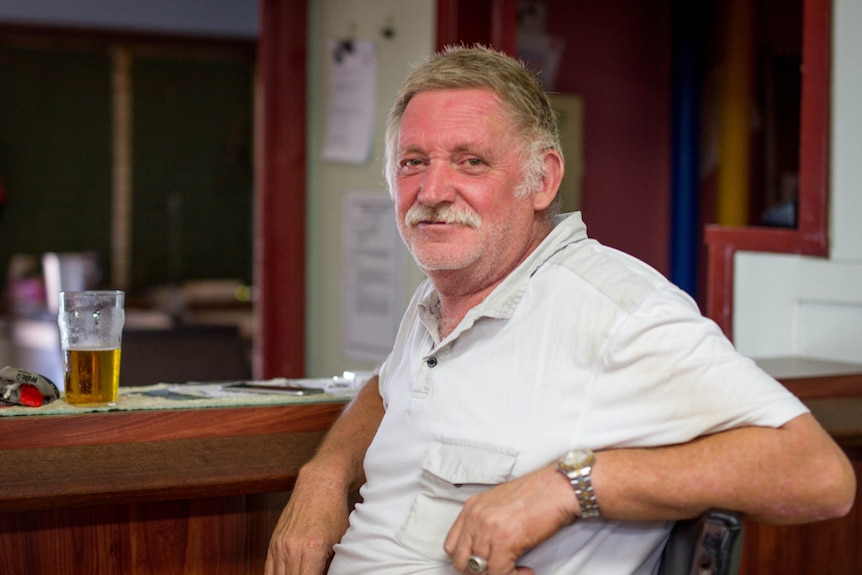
[[576, 459]]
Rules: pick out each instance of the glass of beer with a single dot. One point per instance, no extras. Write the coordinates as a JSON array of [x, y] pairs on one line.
[[91, 329]]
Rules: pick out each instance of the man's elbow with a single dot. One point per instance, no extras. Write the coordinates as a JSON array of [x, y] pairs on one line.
[[817, 483], [839, 488], [831, 491]]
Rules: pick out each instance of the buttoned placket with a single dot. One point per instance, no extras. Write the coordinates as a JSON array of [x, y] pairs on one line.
[[425, 373]]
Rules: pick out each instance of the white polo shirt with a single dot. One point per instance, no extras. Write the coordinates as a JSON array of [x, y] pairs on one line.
[[581, 346]]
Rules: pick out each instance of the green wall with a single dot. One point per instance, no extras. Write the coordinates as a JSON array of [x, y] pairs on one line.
[[55, 146], [191, 156]]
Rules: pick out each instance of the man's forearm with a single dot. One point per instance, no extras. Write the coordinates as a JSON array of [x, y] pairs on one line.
[[315, 518], [341, 454], [788, 475]]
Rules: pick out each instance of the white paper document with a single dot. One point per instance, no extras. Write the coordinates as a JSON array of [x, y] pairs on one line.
[[351, 101], [374, 270]]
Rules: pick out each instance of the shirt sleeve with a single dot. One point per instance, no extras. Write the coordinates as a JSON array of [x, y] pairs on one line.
[[668, 375]]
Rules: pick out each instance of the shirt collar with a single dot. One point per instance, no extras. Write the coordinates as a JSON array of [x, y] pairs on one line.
[[502, 301]]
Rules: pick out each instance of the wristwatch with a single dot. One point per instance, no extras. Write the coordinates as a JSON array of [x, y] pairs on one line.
[[576, 466]]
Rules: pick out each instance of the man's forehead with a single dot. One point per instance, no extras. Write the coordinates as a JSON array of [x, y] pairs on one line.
[[487, 96], [464, 119]]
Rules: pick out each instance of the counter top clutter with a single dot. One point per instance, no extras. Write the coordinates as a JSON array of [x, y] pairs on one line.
[[25, 388], [197, 395]]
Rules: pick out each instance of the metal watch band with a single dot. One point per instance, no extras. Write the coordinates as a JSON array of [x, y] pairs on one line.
[[583, 487], [577, 465]]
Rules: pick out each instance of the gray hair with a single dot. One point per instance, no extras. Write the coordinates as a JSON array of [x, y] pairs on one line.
[[535, 128]]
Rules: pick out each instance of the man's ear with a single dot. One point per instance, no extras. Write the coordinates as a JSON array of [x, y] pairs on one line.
[[552, 176]]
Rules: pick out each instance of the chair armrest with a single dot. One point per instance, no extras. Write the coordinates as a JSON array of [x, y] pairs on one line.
[[707, 545]]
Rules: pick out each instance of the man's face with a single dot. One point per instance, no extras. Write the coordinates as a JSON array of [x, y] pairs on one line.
[[457, 173]]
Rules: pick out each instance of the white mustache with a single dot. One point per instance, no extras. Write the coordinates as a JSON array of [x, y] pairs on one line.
[[446, 214]]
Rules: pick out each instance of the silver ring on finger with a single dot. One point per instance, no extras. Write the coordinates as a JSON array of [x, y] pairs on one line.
[[476, 564]]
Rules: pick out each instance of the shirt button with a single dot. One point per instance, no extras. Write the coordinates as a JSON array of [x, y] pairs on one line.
[[431, 362]]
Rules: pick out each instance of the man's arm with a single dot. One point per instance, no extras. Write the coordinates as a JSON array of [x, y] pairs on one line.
[[315, 518], [792, 474]]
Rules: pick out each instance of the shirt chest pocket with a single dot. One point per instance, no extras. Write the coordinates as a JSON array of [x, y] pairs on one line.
[[452, 471]]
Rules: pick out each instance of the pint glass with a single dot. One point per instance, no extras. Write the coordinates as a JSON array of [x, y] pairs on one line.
[[91, 329]]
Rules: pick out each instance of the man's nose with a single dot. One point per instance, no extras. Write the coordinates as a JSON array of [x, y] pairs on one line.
[[437, 186]]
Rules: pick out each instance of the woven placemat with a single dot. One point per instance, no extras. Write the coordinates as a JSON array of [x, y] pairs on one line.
[[189, 396]]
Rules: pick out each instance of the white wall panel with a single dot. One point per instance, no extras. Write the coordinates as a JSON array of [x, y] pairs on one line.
[[812, 307], [793, 305], [846, 134]]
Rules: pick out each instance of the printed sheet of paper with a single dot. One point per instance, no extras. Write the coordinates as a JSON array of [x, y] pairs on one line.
[[351, 101], [374, 269]]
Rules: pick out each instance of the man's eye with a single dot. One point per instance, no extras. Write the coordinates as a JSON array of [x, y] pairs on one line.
[[410, 164], [474, 162]]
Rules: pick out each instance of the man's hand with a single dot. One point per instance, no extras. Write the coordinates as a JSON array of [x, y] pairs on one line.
[[316, 515], [313, 521], [506, 521]]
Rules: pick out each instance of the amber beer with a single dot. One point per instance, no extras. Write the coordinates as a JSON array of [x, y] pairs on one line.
[[92, 376], [91, 327]]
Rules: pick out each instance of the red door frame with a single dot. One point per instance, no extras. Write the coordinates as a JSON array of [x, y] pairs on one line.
[[491, 22], [280, 218], [810, 237]]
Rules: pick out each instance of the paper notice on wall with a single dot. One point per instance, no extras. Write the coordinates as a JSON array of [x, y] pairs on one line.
[[351, 101], [374, 269]]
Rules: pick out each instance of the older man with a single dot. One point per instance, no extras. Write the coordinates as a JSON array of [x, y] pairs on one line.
[[551, 405]]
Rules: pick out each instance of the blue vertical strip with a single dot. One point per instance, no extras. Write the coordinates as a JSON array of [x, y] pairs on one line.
[[685, 185]]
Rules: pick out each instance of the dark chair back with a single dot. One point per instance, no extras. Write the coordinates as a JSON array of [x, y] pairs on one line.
[[707, 545]]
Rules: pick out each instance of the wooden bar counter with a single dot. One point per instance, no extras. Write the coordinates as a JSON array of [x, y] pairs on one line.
[[175, 491], [198, 491], [833, 392]]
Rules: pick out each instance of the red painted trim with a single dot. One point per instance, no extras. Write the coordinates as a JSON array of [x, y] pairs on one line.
[[279, 260], [811, 235], [447, 22], [461, 21], [504, 26], [814, 121]]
